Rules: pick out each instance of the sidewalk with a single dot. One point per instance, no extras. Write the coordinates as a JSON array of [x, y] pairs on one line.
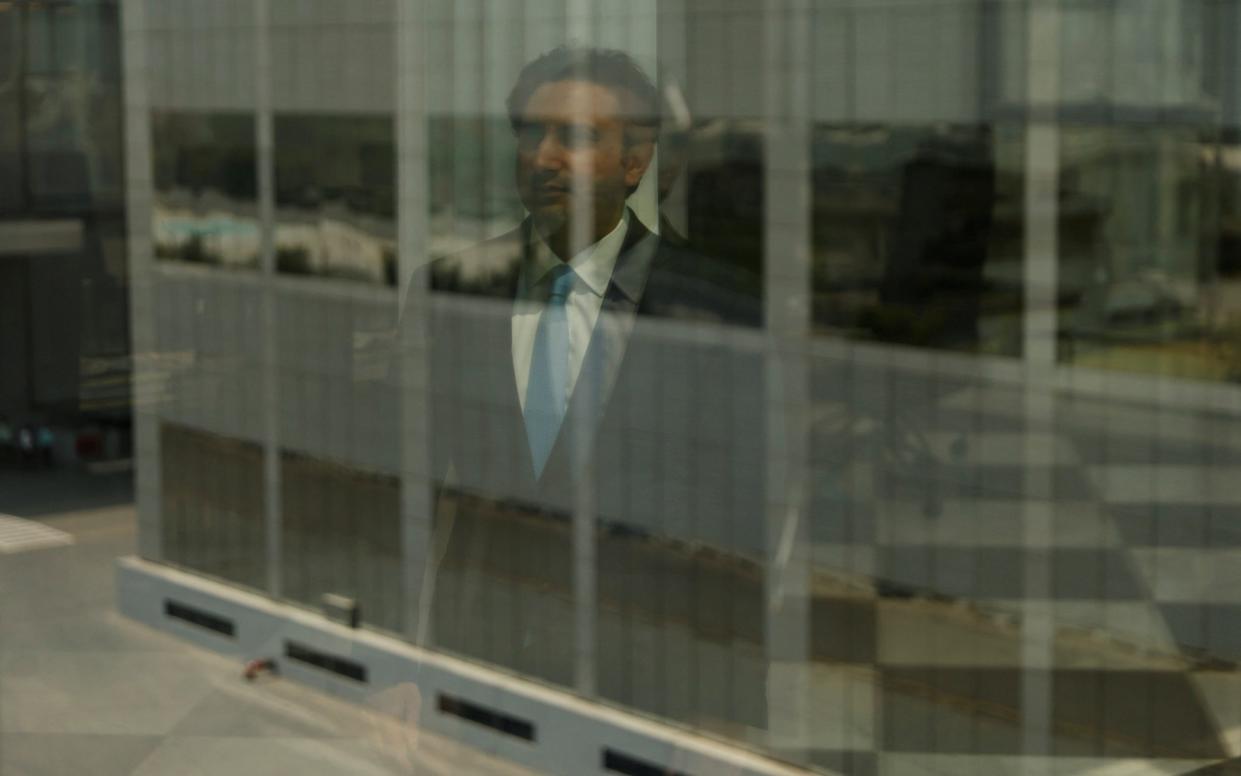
[[84, 690]]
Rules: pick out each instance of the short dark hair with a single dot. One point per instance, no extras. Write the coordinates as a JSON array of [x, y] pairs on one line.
[[609, 68]]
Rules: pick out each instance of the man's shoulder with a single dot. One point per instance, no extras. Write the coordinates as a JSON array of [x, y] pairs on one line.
[[488, 268], [689, 284]]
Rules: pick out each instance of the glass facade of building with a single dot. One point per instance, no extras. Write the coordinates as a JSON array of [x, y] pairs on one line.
[[64, 337], [906, 437]]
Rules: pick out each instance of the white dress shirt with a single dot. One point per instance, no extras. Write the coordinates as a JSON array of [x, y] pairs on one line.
[[592, 271]]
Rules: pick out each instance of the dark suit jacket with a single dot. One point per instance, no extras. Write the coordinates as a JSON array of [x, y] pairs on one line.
[[665, 452]]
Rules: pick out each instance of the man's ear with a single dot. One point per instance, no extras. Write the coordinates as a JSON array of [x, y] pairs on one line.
[[638, 154]]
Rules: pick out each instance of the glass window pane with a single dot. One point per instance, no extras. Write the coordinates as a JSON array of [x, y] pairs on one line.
[[917, 235], [212, 505], [341, 535], [206, 190], [1143, 265], [336, 197]]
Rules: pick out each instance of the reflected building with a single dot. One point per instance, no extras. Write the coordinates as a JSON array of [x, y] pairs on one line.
[[206, 209], [917, 449], [64, 335]]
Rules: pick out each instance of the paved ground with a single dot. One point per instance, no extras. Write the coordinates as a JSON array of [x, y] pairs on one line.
[[86, 691]]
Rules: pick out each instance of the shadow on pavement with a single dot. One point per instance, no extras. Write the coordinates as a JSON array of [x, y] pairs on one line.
[[34, 493]]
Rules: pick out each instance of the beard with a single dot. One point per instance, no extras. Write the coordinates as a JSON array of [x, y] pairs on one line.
[[549, 220], [575, 218]]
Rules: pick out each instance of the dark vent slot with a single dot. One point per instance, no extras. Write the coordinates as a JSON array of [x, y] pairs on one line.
[[481, 715], [200, 618], [313, 657], [622, 763]]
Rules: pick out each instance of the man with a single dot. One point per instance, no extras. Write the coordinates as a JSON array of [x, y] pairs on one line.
[[567, 411]]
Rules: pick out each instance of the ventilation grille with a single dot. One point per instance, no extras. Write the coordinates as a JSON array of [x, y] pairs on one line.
[[201, 618], [350, 669], [481, 715], [616, 762]]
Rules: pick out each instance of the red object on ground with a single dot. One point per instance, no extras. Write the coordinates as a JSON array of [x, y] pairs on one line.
[[258, 666]]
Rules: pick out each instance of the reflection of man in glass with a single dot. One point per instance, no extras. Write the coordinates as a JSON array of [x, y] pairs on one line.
[[566, 412], [580, 121], [582, 265]]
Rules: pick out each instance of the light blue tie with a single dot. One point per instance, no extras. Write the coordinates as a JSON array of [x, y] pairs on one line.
[[547, 388]]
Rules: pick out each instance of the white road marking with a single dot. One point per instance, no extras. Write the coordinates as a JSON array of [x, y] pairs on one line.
[[18, 535]]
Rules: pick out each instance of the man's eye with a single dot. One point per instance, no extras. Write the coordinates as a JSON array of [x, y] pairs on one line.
[[570, 137], [581, 137], [529, 134]]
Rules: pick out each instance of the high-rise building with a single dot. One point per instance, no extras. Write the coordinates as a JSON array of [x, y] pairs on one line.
[[64, 338]]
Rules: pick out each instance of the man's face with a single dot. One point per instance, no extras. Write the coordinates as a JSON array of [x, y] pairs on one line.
[[573, 164]]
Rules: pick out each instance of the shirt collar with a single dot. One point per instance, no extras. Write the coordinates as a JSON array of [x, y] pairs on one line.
[[593, 264]]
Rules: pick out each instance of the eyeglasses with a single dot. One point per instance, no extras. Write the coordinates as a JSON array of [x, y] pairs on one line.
[[571, 137]]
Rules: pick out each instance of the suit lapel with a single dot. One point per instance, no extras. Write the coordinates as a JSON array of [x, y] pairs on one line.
[[605, 354]]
